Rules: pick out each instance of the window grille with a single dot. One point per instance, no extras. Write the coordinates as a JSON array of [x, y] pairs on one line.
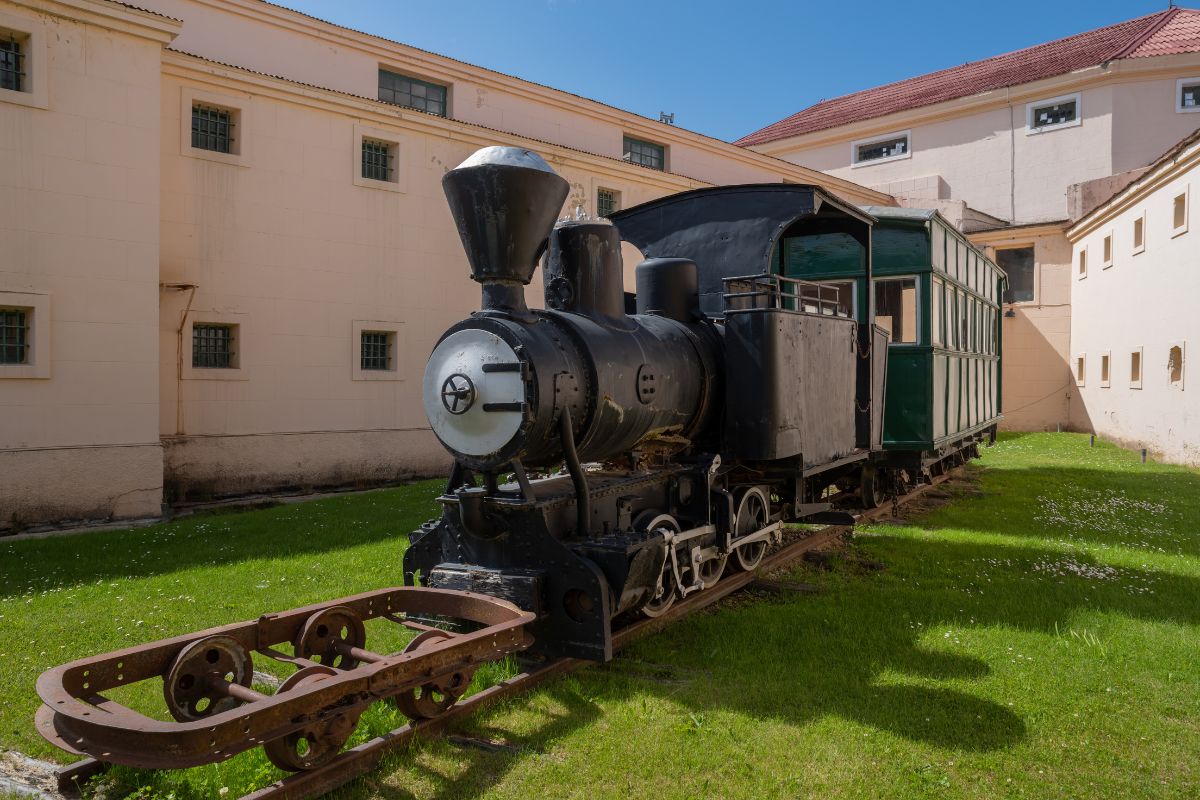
[[376, 350], [1055, 114], [14, 336], [212, 129], [887, 148], [606, 202], [402, 90], [212, 346], [12, 67], [647, 154], [1189, 96], [377, 160]]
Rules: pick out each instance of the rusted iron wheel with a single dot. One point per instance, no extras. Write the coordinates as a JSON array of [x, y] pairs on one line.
[[194, 685], [665, 592], [871, 492], [328, 633], [314, 745], [436, 697], [753, 513]]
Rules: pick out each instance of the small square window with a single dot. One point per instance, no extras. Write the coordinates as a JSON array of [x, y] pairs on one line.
[[212, 128], [1059, 112], [403, 90], [1105, 373], [892, 146], [1179, 210], [1187, 95], [1083, 263], [1139, 234], [213, 346], [376, 350], [1107, 246], [13, 52], [1080, 370], [648, 154], [608, 201], [378, 160], [14, 335], [1135, 369]]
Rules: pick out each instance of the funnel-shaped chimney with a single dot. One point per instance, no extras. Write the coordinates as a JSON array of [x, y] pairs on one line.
[[504, 201]]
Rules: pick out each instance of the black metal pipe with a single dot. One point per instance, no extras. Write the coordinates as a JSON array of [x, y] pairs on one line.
[[583, 502]]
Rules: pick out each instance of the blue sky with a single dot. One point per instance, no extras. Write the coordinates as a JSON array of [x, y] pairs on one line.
[[724, 68]]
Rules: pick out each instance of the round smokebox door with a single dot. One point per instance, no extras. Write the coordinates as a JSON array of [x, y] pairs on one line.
[[473, 412]]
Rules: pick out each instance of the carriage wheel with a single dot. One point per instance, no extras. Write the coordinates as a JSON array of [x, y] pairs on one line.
[[753, 513], [193, 687], [871, 487], [314, 745], [435, 698]]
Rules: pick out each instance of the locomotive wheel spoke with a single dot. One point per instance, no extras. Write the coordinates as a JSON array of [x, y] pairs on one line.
[[436, 697], [752, 515], [712, 570], [327, 636], [315, 744], [196, 685], [666, 590]]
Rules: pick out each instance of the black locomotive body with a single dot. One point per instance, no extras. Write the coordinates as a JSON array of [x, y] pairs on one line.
[[609, 462]]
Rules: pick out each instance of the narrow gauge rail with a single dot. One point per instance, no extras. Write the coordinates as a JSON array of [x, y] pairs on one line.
[[362, 759]]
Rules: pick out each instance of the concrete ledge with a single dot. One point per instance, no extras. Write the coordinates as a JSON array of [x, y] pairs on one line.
[[202, 468], [79, 485]]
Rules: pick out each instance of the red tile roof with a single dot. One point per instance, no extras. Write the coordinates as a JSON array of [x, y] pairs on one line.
[[1175, 30]]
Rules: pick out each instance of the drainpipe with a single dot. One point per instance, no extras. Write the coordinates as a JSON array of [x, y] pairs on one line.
[[190, 288]]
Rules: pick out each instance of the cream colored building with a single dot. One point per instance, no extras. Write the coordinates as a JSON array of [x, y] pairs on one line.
[[226, 258], [1011, 138], [1135, 285]]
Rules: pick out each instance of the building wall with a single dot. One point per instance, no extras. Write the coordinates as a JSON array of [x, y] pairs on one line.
[[1143, 301], [1036, 373], [983, 150], [266, 38], [79, 208]]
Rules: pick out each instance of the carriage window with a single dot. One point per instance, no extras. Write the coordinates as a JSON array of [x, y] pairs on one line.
[[831, 297], [1017, 263], [936, 310], [896, 309]]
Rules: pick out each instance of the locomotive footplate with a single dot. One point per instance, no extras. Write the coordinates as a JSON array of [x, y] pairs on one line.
[[207, 681]]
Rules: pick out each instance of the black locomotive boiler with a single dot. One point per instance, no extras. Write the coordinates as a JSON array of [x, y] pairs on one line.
[[610, 459]]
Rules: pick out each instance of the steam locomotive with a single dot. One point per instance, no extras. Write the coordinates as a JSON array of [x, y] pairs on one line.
[[615, 452]]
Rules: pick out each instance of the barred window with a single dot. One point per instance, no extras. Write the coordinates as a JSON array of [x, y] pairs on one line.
[[12, 66], [14, 336], [402, 90], [377, 160], [212, 128], [608, 201], [212, 346], [376, 350], [647, 154]]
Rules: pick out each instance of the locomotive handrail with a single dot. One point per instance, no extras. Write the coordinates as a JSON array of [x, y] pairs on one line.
[[779, 290]]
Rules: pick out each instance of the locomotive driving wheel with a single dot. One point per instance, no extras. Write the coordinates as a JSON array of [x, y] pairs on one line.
[[664, 593], [315, 744], [753, 514], [435, 698]]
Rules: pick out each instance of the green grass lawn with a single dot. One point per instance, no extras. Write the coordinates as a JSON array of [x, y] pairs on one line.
[[1038, 639]]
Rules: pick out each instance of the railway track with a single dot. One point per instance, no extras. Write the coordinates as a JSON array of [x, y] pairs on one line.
[[362, 759]]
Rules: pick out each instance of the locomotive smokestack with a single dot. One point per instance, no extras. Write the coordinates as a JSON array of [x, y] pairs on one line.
[[505, 201]]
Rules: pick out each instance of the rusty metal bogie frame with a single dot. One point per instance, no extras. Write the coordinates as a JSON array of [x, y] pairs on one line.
[[77, 717]]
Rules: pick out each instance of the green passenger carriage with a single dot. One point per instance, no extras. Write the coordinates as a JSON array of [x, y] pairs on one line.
[[937, 296]]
